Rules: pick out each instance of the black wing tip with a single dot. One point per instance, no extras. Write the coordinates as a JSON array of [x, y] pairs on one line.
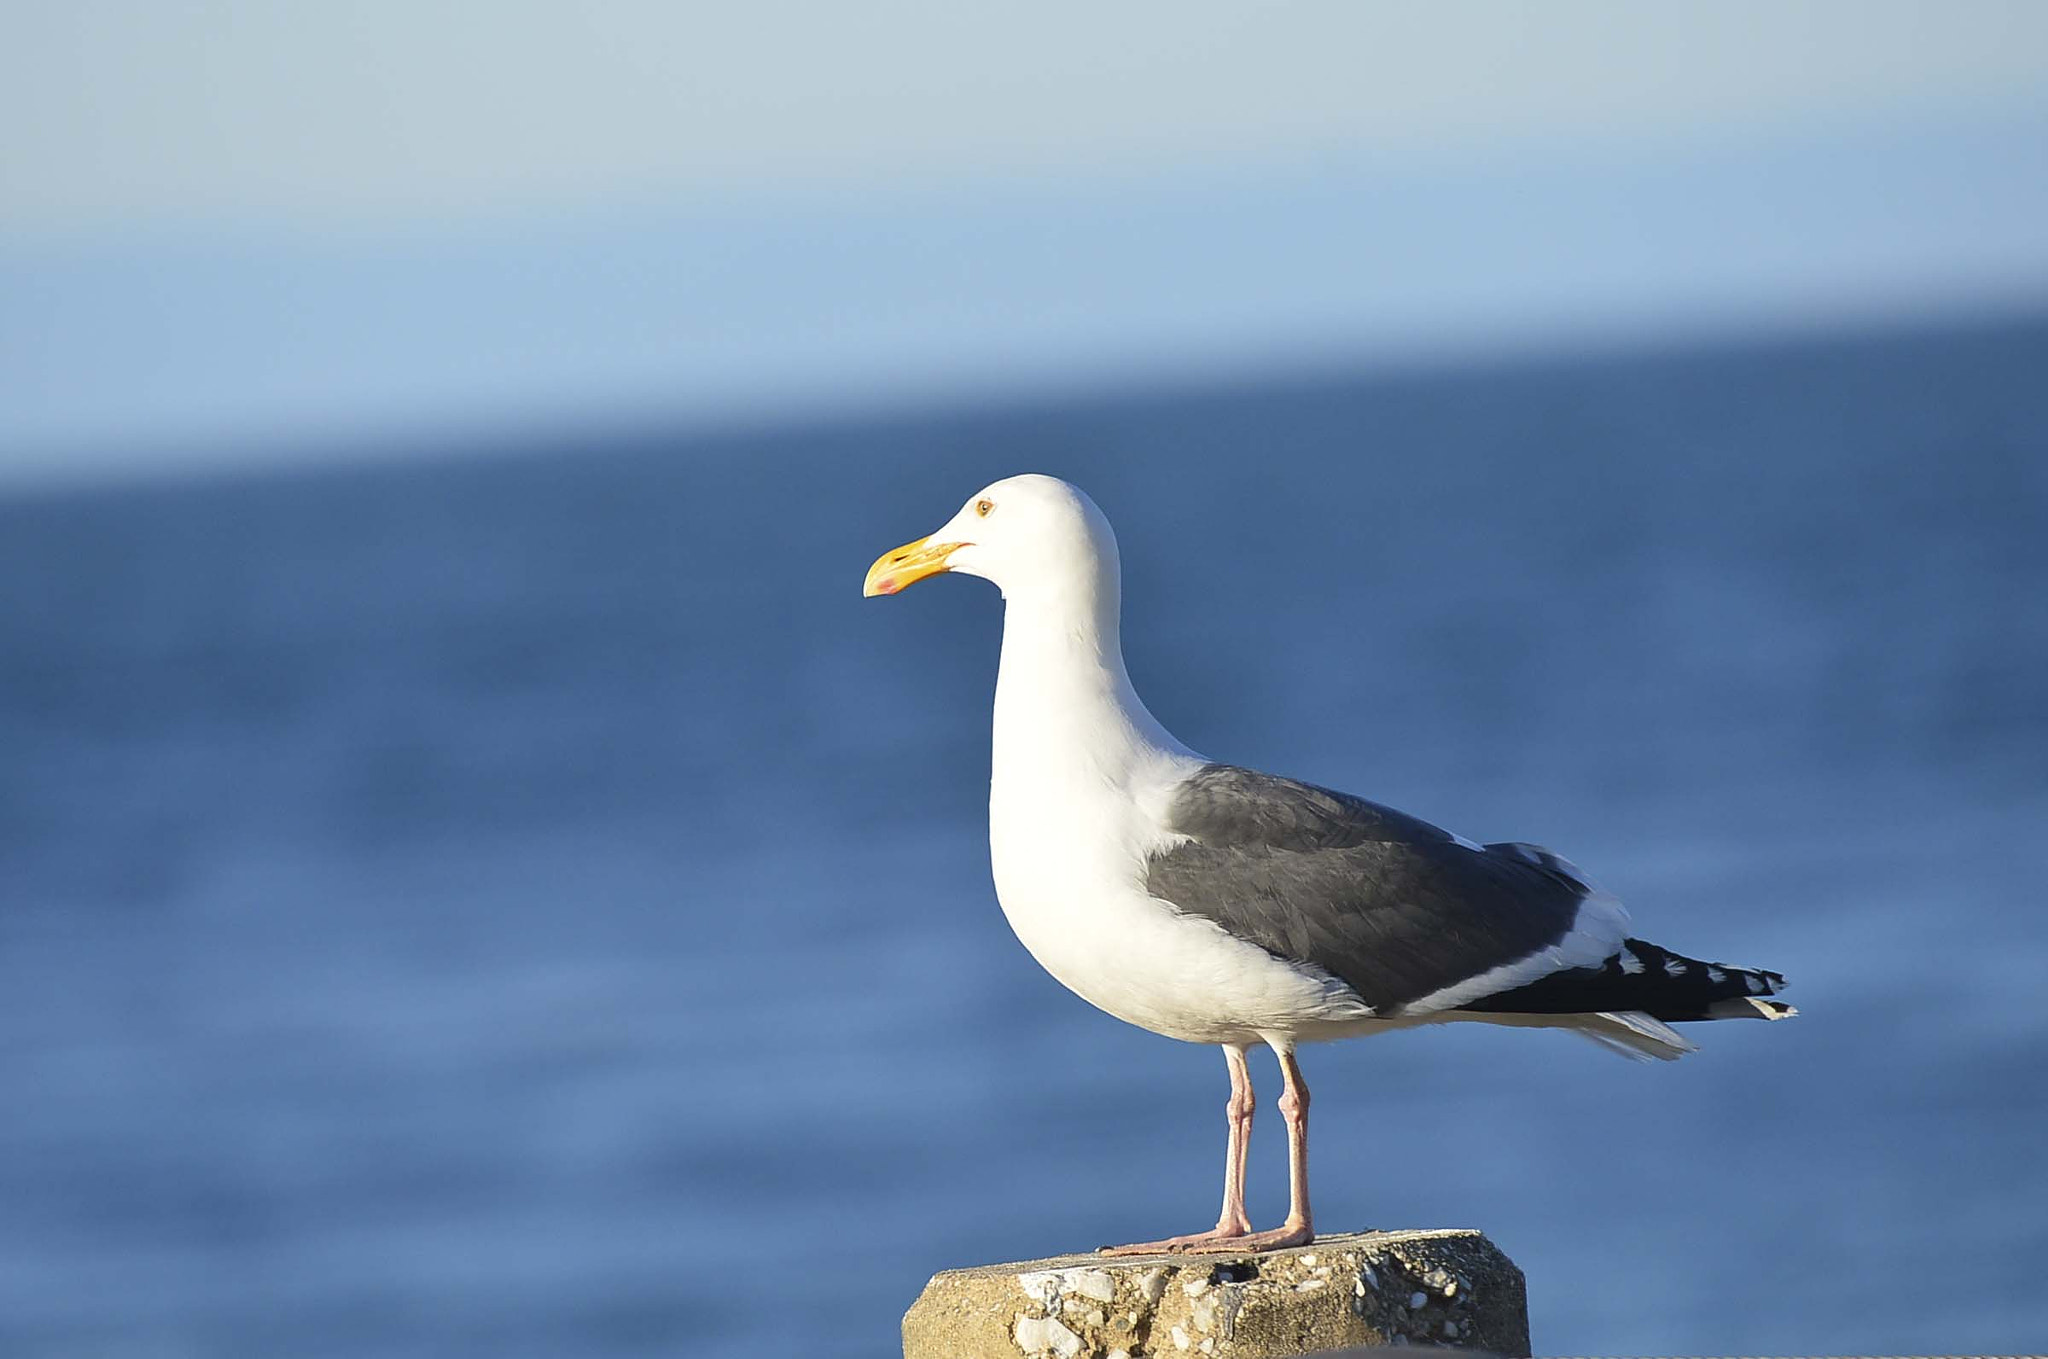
[[1653, 980]]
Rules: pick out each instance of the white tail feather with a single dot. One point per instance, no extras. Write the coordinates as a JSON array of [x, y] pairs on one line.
[[1629, 1032], [1635, 1034]]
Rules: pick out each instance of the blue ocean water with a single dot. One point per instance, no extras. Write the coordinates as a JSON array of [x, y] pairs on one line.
[[533, 905]]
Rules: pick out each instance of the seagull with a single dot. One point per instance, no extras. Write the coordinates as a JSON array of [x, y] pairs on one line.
[[1217, 904]]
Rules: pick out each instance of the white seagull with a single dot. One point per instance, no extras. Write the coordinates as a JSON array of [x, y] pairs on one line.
[[1216, 904]]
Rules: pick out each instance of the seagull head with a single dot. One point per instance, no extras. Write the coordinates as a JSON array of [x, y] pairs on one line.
[[1032, 535]]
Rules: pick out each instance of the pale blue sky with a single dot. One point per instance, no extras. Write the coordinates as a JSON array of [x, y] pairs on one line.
[[243, 232]]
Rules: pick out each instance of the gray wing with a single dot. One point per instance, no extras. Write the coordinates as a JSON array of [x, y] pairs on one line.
[[1388, 904]]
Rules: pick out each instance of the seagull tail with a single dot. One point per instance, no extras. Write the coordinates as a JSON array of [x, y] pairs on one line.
[[1628, 1033], [1634, 1035]]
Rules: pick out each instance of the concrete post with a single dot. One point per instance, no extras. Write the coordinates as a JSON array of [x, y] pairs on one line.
[[1368, 1289]]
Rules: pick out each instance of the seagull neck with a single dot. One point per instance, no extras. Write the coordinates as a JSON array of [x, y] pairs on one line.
[[1063, 697]]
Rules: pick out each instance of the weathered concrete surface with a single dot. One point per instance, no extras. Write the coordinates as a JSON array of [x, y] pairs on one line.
[[1369, 1288]]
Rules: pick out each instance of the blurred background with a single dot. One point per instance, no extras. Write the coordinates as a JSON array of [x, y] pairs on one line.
[[475, 878]]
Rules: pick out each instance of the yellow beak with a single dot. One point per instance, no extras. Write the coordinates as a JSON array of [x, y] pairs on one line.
[[906, 566]]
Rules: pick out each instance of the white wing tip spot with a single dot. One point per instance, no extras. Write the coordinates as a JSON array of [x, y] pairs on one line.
[[1629, 962], [1673, 968]]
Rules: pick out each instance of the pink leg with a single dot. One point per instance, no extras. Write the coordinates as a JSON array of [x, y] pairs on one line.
[[1243, 1105], [1300, 1227], [1232, 1224]]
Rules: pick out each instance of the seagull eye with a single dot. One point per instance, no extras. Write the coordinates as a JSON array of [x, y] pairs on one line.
[[982, 507]]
